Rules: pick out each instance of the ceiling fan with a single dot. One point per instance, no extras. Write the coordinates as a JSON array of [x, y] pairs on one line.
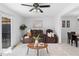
[[37, 6]]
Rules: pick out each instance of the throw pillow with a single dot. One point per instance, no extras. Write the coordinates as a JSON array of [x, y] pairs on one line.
[[52, 34], [26, 37], [49, 34], [29, 34]]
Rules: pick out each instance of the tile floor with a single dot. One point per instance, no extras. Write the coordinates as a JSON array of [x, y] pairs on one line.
[[54, 50]]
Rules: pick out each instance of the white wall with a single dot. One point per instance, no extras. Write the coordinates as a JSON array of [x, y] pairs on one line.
[[16, 33], [48, 22], [58, 28], [16, 21], [74, 26]]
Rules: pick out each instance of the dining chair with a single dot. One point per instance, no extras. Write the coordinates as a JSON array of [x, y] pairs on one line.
[[75, 39]]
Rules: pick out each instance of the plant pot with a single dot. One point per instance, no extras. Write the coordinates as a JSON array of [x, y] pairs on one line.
[[36, 43]]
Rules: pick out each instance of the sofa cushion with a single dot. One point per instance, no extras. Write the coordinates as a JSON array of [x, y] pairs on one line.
[[36, 32]]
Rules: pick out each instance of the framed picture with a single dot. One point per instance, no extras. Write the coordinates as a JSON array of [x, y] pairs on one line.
[[37, 24], [68, 23], [63, 23]]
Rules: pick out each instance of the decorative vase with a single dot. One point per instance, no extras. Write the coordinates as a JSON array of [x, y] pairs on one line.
[[36, 43]]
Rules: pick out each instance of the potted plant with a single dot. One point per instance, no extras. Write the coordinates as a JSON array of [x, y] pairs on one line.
[[36, 39]]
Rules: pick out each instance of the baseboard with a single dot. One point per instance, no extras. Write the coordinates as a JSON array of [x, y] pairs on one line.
[[15, 45]]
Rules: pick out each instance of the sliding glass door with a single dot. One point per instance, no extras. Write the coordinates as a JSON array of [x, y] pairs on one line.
[[6, 32]]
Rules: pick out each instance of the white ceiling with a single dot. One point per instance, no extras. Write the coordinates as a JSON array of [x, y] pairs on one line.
[[53, 11], [74, 11]]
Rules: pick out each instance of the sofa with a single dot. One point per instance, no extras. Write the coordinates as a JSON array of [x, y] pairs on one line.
[[44, 37]]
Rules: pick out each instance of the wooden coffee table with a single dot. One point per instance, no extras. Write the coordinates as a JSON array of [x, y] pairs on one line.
[[31, 46]]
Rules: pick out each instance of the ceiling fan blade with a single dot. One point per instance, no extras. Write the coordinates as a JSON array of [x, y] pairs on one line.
[[31, 9], [26, 5], [40, 10], [42, 6]]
